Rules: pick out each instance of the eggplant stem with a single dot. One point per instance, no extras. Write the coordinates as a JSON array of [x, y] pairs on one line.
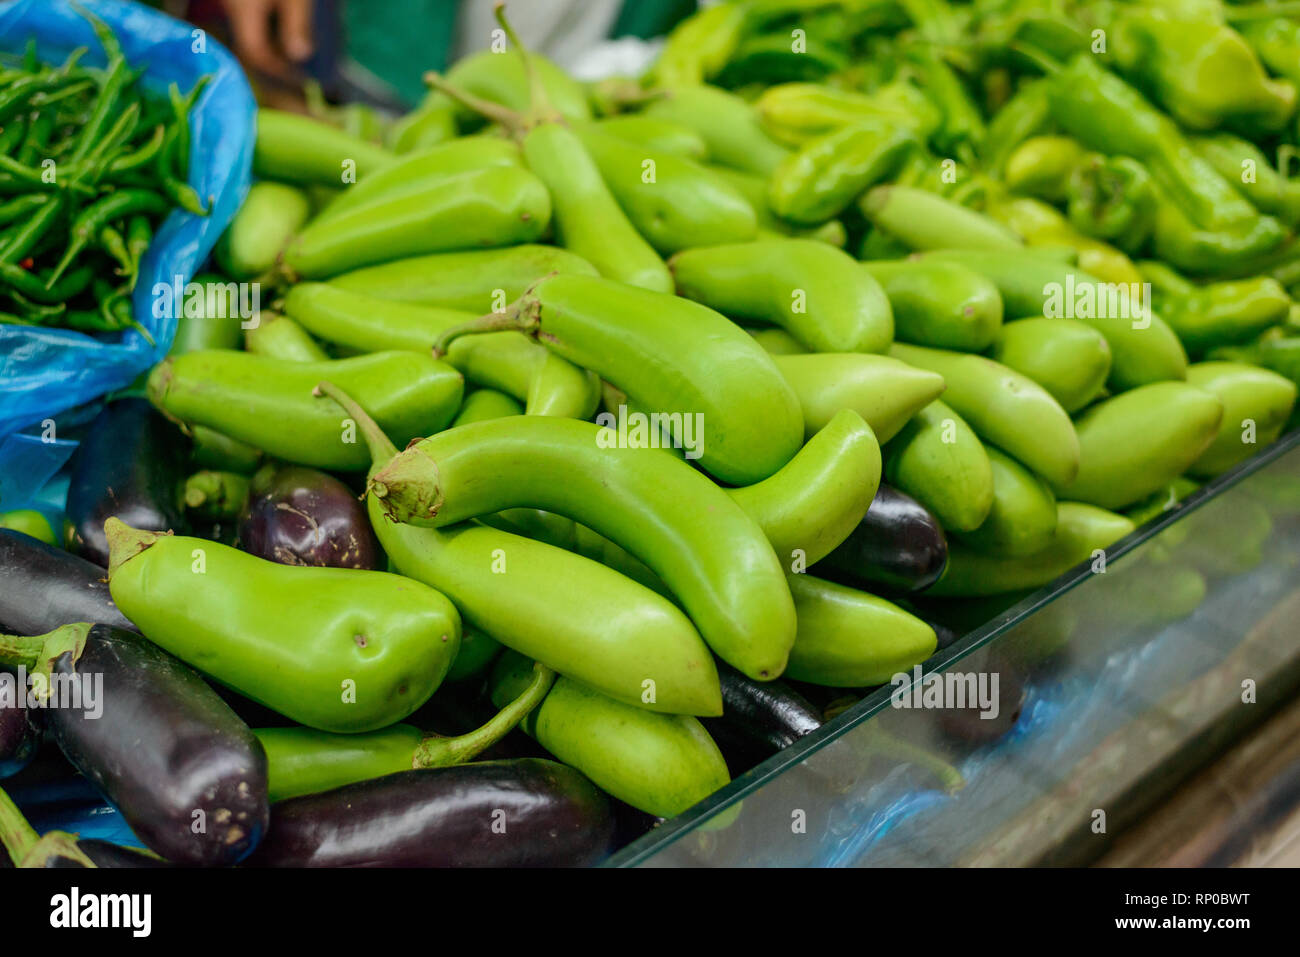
[[381, 446], [443, 752], [512, 320], [21, 651], [17, 836]]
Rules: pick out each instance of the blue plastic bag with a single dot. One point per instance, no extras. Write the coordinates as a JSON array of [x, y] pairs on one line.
[[44, 372]]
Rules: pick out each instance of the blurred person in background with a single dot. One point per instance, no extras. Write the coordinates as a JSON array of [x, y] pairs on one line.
[[376, 51]]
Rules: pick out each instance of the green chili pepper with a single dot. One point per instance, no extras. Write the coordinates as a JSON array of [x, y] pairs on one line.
[[1216, 314], [1204, 73], [698, 47], [1041, 166], [1112, 198], [91, 220], [793, 113], [362, 657], [25, 237], [216, 495], [823, 177], [1245, 166]]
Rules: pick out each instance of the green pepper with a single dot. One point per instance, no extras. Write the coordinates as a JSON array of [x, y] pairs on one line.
[[1216, 314], [699, 46], [823, 177], [1204, 73], [1276, 40], [332, 648], [1026, 114], [1041, 166], [1112, 198], [794, 113], [1245, 166], [729, 125], [962, 126]]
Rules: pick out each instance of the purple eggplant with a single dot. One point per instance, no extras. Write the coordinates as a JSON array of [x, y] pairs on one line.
[[299, 516], [759, 718], [43, 588], [898, 546], [528, 812], [19, 738], [187, 775], [131, 464]]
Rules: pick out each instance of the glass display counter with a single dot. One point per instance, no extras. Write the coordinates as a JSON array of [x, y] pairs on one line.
[[1115, 683]]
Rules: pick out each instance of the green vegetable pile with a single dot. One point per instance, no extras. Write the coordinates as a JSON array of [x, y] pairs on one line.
[[847, 326], [90, 164]]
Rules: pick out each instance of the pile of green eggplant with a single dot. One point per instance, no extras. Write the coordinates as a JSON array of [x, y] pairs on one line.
[[597, 441]]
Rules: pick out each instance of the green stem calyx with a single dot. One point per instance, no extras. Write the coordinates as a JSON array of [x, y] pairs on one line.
[[442, 752], [37, 654], [125, 542], [380, 445], [516, 318]]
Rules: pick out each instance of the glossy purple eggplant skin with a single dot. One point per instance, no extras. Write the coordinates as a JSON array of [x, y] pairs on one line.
[[164, 748], [528, 812], [19, 739], [760, 718], [899, 546], [132, 464], [304, 517], [43, 588]]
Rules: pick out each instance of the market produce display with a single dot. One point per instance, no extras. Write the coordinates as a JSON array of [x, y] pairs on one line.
[[598, 441]]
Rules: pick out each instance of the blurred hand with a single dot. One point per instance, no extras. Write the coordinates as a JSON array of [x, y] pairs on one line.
[[250, 23]]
